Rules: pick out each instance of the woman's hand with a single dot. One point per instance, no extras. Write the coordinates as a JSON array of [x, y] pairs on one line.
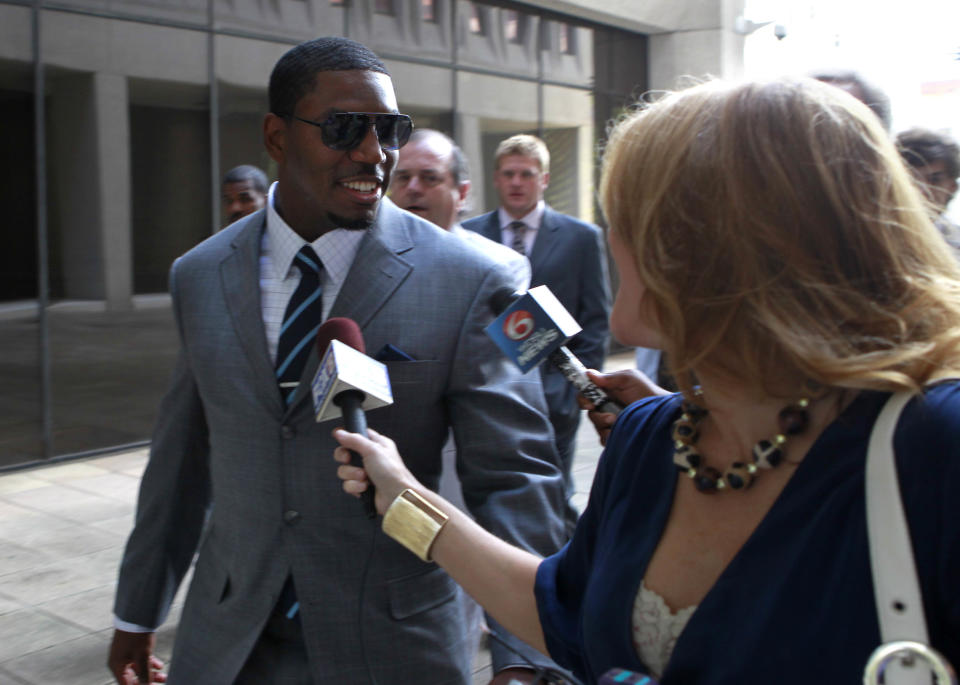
[[382, 465], [625, 386]]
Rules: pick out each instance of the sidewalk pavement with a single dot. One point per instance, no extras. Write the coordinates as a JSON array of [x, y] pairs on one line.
[[62, 531]]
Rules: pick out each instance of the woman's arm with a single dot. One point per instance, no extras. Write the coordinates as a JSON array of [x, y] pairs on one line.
[[497, 575]]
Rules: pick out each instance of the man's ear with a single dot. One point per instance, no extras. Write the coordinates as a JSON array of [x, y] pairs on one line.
[[275, 136], [464, 191], [545, 180]]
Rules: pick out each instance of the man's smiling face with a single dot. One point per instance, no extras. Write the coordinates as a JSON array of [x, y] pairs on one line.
[[321, 189]]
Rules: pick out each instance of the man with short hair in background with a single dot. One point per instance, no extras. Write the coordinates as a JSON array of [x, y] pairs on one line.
[[243, 191], [857, 85], [934, 159], [568, 256]]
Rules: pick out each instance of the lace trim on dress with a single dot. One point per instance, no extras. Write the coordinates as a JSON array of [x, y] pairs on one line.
[[656, 628]]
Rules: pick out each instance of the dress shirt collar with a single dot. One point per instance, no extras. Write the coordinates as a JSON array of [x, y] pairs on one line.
[[532, 220], [336, 248]]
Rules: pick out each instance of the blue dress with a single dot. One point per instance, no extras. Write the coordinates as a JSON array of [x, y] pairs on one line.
[[796, 603]]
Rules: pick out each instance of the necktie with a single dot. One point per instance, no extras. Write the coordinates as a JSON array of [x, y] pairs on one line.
[[302, 318], [519, 231]]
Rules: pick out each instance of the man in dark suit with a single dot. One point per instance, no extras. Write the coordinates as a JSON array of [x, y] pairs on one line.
[[293, 583], [567, 255]]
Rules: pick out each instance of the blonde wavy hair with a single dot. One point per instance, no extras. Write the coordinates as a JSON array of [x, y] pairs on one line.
[[525, 145], [779, 236]]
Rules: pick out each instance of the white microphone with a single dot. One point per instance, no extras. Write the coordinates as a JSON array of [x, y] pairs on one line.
[[533, 327], [347, 383]]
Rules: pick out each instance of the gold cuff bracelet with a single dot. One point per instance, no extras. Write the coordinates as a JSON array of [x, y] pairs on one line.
[[413, 522]]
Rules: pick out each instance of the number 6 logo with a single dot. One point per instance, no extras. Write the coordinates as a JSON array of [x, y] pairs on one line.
[[518, 325]]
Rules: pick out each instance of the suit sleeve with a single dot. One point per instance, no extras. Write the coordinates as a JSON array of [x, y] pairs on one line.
[[173, 500], [590, 345], [506, 460]]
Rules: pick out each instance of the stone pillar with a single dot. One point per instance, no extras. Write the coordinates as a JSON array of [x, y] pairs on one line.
[[709, 46], [468, 132], [90, 159]]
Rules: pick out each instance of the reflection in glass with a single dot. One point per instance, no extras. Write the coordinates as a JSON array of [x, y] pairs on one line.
[[565, 41], [428, 12], [476, 23], [21, 422], [511, 26], [109, 371]]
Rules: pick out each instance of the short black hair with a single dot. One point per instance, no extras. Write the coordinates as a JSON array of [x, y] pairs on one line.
[[459, 167], [247, 172], [921, 146], [873, 96], [294, 73]]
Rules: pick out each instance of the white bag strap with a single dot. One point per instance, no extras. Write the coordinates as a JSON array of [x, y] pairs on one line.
[[897, 590], [896, 587]]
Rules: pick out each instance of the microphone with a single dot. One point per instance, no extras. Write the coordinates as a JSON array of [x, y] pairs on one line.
[[348, 382], [533, 327]]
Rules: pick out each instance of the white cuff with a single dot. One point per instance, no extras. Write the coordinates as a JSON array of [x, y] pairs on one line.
[[131, 627]]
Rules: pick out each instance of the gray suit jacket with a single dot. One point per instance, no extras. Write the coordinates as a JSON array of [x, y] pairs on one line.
[[259, 482], [568, 257]]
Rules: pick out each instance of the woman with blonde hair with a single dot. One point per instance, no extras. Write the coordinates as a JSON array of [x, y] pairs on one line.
[[771, 242]]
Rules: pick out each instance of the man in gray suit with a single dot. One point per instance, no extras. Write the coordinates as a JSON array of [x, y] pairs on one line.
[[568, 256], [293, 583]]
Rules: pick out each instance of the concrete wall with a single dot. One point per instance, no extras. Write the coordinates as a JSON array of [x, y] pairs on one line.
[[151, 54]]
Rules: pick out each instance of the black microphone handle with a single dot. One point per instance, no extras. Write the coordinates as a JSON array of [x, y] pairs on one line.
[[355, 421], [575, 372]]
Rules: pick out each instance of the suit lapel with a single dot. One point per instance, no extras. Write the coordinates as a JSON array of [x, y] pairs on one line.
[[494, 232], [546, 240], [240, 280], [376, 273], [488, 225], [378, 269]]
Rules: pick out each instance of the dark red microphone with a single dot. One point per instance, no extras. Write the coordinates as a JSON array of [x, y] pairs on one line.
[[348, 399]]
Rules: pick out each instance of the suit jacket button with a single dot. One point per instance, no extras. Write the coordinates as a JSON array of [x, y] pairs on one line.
[[291, 516], [287, 432]]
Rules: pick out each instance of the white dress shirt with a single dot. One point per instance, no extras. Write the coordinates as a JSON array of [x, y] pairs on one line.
[[532, 221], [278, 278]]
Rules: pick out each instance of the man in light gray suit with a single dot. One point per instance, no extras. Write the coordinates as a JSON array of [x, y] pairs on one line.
[[293, 583]]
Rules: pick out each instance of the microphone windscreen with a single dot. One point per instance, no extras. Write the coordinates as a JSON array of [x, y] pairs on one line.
[[340, 328], [502, 298]]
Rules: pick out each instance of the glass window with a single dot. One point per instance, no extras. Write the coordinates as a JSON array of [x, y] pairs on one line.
[[567, 39], [21, 424], [513, 26], [476, 20], [428, 12]]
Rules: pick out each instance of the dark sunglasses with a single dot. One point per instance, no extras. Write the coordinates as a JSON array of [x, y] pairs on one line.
[[346, 130]]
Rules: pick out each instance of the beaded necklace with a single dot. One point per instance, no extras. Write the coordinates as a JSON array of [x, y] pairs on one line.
[[766, 454]]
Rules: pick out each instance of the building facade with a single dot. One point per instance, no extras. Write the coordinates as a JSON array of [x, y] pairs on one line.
[[119, 117]]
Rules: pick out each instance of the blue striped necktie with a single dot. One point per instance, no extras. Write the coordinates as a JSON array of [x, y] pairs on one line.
[[302, 318]]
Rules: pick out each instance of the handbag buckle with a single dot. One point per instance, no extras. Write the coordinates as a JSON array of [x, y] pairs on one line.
[[909, 653]]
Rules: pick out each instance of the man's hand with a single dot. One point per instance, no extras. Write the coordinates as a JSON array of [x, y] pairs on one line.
[[515, 675], [131, 658], [625, 386]]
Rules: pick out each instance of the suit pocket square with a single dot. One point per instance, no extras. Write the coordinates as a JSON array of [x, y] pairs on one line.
[[392, 353]]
